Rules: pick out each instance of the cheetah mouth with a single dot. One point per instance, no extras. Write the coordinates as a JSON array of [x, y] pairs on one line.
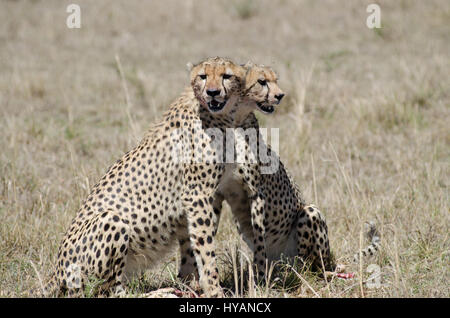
[[215, 106], [266, 109]]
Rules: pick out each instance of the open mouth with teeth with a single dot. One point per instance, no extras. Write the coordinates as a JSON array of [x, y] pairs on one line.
[[216, 106], [267, 109]]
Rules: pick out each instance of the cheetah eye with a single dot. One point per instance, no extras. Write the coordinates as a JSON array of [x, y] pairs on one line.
[[203, 76], [262, 82], [226, 76]]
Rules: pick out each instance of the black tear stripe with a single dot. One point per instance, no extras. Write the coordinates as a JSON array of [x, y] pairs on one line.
[[248, 90]]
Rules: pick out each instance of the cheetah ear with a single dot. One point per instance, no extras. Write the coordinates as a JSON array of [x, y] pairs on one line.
[[248, 65], [189, 66]]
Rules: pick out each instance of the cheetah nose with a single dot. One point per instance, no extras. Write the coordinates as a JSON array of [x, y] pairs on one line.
[[279, 97], [212, 92]]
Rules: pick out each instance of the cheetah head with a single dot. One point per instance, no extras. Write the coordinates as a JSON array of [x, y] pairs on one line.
[[217, 82], [261, 88]]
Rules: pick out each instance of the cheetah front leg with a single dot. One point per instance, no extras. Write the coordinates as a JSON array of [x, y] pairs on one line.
[[251, 176], [201, 226], [259, 233], [312, 238], [188, 264]]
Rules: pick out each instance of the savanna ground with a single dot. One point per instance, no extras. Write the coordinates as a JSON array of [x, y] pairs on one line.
[[364, 127]]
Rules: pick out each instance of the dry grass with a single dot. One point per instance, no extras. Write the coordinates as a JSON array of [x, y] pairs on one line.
[[364, 129]]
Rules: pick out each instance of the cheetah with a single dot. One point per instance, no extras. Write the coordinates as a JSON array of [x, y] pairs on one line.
[[150, 199], [291, 227]]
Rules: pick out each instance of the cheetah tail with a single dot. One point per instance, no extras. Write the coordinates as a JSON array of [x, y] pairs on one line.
[[373, 247]]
